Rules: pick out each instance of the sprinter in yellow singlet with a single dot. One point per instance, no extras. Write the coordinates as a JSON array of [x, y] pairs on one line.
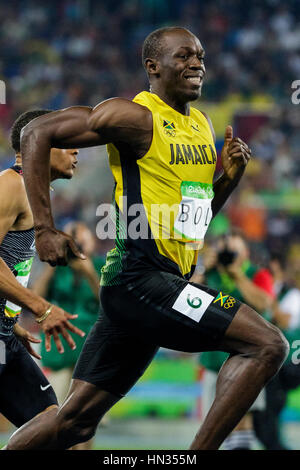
[[163, 158]]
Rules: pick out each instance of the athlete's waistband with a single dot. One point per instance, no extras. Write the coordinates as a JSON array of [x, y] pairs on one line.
[[124, 266], [138, 259], [6, 324]]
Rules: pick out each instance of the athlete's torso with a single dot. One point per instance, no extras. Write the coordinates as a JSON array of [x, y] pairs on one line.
[[178, 168], [17, 250]]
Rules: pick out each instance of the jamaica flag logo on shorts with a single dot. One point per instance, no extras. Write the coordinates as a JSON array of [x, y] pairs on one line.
[[169, 128], [226, 301]]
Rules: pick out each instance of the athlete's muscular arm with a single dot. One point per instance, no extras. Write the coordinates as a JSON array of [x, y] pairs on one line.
[[10, 288], [234, 157], [117, 120], [57, 323], [11, 195]]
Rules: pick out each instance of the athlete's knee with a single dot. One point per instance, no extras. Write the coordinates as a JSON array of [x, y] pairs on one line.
[[75, 427], [79, 432], [50, 411], [275, 348], [260, 339], [78, 418]]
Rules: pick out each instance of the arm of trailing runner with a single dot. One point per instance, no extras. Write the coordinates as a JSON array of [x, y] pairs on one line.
[[54, 324], [234, 157], [26, 339], [45, 315], [12, 290]]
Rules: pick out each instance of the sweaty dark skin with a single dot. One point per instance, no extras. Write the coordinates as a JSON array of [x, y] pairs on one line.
[[257, 348]]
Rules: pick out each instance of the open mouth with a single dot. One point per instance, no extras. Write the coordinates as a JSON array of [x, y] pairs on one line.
[[195, 79]]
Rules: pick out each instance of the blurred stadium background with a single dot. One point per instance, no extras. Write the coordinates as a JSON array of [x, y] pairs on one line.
[[79, 52]]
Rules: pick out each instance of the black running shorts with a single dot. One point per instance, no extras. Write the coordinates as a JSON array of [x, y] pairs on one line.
[[159, 309], [24, 389]]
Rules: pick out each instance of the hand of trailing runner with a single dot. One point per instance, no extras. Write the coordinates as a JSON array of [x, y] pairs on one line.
[[58, 323], [26, 339], [45, 315]]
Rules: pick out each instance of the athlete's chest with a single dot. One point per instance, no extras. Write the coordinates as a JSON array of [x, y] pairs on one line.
[[181, 146]]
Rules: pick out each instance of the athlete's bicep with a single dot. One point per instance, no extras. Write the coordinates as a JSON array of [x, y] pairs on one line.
[[113, 120], [66, 128], [121, 120]]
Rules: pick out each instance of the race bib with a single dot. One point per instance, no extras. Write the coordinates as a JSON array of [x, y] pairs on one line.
[[193, 302], [22, 271], [194, 214]]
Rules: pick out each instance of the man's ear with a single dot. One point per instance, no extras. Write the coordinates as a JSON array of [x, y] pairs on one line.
[[152, 66]]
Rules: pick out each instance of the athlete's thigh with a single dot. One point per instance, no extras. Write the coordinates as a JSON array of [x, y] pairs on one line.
[[248, 328], [113, 358], [24, 389], [170, 311]]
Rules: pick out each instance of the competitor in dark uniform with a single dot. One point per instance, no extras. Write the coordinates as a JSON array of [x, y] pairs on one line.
[[24, 390], [162, 154]]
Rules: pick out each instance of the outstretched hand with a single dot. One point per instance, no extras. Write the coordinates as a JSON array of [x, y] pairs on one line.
[[235, 155], [58, 323], [56, 247], [26, 339]]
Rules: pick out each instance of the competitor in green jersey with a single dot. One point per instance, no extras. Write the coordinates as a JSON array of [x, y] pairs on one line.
[[147, 298]]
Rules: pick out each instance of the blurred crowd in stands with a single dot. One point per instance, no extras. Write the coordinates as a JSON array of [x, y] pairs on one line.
[[71, 52]]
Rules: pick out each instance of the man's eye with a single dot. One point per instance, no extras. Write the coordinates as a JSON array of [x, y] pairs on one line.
[[183, 57]]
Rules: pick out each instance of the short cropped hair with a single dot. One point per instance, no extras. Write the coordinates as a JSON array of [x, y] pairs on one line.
[[153, 44], [21, 122]]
